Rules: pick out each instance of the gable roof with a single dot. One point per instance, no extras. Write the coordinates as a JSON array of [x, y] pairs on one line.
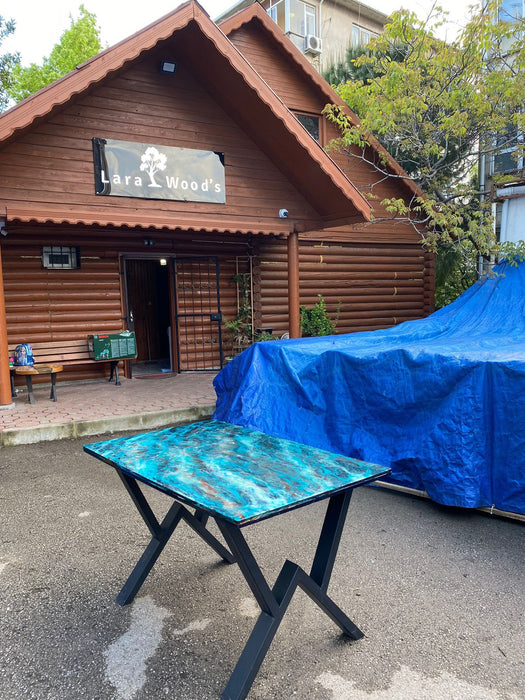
[[236, 86], [256, 13]]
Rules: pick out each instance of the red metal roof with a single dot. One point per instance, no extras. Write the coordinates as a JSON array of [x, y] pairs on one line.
[[237, 87]]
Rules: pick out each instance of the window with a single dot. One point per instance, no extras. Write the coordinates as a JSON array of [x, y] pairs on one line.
[[277, 12], [60, 257], [309, 21], [361, 36], [294, 17], [508, 159], [310, 123]]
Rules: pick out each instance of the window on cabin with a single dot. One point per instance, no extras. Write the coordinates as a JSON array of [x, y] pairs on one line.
[[60, 257], [310, 123]]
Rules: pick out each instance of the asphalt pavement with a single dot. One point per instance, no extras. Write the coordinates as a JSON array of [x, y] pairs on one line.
[[438, 592]]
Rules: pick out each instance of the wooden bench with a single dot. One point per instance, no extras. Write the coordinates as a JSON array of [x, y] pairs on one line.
[[51, 358]]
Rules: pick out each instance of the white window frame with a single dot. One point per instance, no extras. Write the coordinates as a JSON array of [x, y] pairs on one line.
[[310, 13], [273, 12], [361, 31], [304, 24]]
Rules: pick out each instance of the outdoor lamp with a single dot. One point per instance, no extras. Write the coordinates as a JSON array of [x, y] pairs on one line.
[[169, 67]]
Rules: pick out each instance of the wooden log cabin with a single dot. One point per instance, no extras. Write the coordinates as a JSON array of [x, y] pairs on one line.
[[168, 186]]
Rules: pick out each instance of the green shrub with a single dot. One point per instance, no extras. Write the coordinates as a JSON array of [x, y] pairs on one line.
[[315, 321], [264, 335]]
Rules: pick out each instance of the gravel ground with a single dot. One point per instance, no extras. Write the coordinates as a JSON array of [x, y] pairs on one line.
[[438, 592]]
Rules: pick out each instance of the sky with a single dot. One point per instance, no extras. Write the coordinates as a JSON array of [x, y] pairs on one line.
[[39, 24]]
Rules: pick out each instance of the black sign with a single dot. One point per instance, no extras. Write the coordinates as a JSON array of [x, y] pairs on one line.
[[129, 169]]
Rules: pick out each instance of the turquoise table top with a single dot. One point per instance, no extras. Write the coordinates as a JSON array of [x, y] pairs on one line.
[[238, 474]]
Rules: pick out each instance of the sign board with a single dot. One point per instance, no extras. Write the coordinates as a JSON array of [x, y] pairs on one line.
[[129, 169], [112, 346]]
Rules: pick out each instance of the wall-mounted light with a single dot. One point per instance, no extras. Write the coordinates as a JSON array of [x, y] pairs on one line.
[[163, 261], [149, 241], [168, 67], [3, 230]]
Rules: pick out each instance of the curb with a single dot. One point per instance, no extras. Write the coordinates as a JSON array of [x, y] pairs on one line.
[[100, 426]]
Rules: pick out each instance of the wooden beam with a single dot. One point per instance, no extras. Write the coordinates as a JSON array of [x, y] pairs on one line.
[[5, 382], [293, 286], [423, 494]]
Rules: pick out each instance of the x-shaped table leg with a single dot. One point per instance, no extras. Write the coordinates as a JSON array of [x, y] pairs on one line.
[[274, 602], [161, 533]]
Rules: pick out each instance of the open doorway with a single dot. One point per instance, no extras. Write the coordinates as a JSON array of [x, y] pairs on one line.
[[148, 308]]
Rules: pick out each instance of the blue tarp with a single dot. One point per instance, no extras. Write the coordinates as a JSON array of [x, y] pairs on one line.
[[441, 400]]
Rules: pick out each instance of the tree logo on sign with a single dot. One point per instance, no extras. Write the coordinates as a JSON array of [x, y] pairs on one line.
[[152, 161]]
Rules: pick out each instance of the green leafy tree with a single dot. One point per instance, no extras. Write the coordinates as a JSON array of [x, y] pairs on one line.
[[8, 63], [77, 44], [456, 271], [437, 108]]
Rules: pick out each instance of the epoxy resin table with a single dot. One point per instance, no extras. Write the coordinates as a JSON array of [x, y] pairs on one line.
[[238, 477]]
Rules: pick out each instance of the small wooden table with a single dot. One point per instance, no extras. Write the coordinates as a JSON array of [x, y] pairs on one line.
[[239, 477], [30, 370]]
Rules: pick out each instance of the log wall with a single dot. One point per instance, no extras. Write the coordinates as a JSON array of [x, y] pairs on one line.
[[365, 287], [64, 305]]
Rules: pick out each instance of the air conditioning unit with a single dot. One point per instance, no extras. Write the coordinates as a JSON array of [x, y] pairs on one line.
[[312, 44]]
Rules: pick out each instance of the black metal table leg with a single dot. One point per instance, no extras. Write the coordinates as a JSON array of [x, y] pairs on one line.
[[161, 533], [329, 539], [274, 602]]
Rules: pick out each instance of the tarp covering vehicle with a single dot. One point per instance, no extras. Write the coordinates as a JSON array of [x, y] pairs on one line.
[[441, 400]]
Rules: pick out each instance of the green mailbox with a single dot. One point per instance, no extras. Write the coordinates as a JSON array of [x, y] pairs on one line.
[[112, 346]]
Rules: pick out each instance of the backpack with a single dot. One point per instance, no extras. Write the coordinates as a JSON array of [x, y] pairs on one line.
[[24, 355]]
